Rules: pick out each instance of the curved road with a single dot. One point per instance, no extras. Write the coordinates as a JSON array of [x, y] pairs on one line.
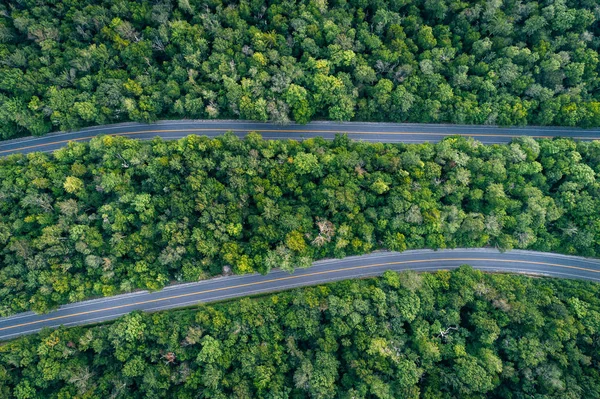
[[378, 132], [490, 260]]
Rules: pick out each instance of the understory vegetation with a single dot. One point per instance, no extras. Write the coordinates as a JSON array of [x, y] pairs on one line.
[[459, 334], [119, 214], [72, 63]]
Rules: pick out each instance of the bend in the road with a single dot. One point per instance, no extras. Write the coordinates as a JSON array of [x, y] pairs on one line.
[[104, 309], [365, 131]]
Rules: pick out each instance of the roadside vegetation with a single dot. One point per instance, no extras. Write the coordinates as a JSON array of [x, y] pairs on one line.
[[459, 334], [74, 63], [119, 214]]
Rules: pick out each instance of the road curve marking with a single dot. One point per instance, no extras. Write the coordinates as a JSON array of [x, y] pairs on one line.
[[296, 277], [276, 131], [316, 131]]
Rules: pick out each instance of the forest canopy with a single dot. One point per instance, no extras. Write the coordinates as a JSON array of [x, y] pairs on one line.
[[119, 214], [459, 334], [72, 63]]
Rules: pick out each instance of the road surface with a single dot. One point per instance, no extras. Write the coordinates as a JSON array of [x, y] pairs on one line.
[[217, 289], [376, 132]]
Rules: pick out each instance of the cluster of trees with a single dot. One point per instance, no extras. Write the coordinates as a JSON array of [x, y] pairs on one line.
[[459, 334], [73, 63], [118, 214]]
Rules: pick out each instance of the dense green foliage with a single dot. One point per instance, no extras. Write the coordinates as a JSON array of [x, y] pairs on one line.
[[121, 214], [459, 334], [71, 63]]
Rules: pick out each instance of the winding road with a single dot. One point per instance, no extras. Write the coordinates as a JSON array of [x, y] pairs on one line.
[[103, 309], [374, 132], [217, 289]]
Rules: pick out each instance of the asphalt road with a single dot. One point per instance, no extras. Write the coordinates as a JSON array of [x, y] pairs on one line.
[[376, 132], [217, 289]]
